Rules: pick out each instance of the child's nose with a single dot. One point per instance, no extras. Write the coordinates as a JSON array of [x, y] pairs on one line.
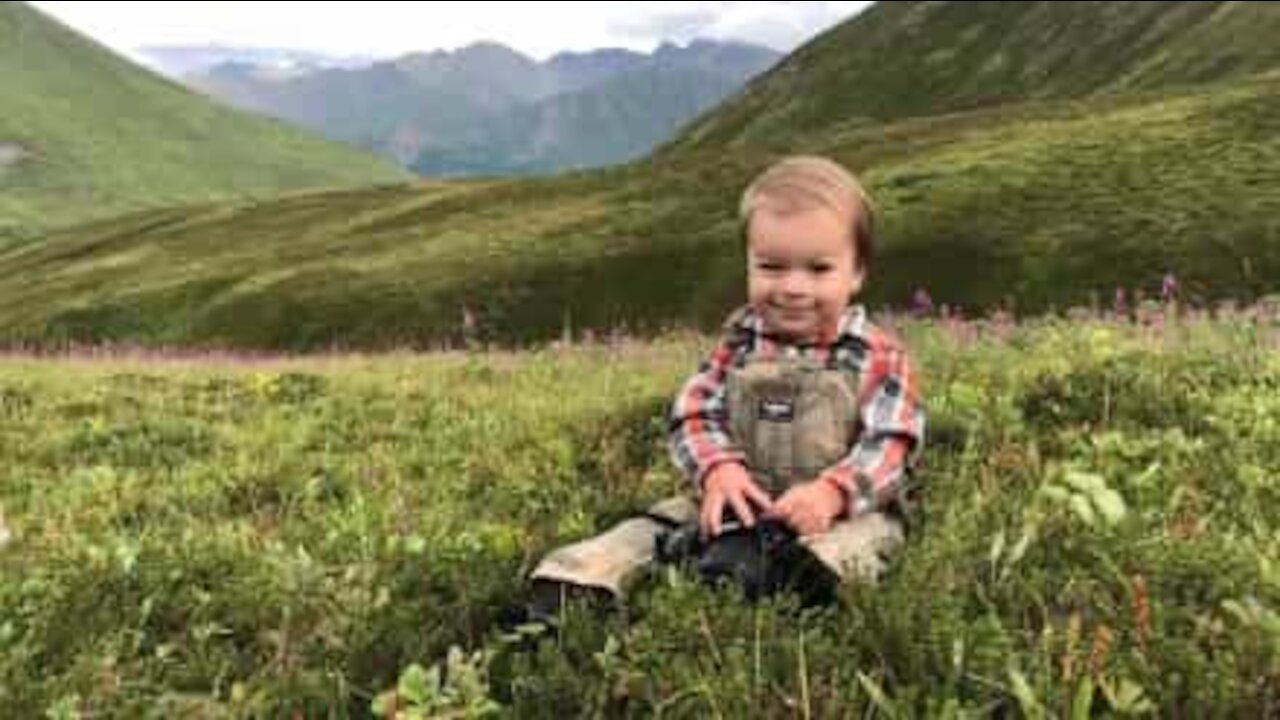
[[795, 283]]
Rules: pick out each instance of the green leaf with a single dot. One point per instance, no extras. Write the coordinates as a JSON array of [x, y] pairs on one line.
[[384, 704], [1083, 700], [1080, 504], [997, 547], [604, 658], [1146, 476], [951, 710], [1235, 608], [127, 555], [877, 695], [1127, 697], [1024, 542], [1056, 492], [66, 707], [418, 685], [415, 545], [1111, 504], [1253, 614], [1087, 483], [1031, 707]]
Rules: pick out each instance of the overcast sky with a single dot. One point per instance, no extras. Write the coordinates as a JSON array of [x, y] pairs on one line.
[[384, 29]]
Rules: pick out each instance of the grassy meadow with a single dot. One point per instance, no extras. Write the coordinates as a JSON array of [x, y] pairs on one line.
[[289, 448], [1047, 203], [240, 535]]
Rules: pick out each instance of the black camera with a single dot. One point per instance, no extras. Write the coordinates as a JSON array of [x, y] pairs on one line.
[[761, 560]]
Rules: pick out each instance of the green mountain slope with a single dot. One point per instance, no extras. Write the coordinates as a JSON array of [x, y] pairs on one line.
[[89, 134], [1050, 203], [904, 59]]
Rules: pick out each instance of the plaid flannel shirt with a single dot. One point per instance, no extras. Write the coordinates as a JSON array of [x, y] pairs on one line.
[[891, 416]]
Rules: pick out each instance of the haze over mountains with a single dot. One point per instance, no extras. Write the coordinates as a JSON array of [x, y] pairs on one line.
[[487, 109], [178, 61]]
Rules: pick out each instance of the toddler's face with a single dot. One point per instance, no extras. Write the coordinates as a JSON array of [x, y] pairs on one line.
[[801, 271]]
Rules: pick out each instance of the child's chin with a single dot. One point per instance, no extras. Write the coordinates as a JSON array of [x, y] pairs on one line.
[[797, 332]]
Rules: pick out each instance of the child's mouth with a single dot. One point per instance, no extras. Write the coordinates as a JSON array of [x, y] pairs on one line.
[[793, 313]]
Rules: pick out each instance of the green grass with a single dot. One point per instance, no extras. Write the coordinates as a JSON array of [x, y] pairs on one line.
[[1041, 185], [239, 536], [1050, 204], [912, 59], [103, 136]]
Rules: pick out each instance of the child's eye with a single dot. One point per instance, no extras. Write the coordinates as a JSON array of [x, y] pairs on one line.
[[769, 265], [820, 268]]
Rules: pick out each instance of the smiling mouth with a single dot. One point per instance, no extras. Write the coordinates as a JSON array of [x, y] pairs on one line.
[[791, 312]]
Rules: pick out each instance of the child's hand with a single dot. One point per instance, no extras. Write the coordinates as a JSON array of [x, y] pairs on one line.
[[730, 484], [810, 508]]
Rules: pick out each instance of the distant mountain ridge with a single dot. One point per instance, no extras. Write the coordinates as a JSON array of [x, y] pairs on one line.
[[487, 109], [177, 61]]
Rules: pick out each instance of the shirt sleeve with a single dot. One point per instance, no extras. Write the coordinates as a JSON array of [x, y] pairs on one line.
[[699, 421], [893, 422]]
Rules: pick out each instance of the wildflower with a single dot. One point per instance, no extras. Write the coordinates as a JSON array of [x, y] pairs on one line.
[[1120, 305], [921, 303], [1169, 288]]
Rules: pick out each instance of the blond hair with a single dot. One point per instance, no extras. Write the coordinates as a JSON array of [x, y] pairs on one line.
[[802, 182]]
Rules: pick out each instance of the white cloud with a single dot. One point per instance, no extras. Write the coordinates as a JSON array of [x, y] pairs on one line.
[[780, 25], [383, 29]]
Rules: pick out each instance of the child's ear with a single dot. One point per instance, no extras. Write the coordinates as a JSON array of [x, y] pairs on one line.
[[859, 274]]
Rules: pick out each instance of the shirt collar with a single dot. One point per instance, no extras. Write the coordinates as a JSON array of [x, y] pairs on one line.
[[851, 325]]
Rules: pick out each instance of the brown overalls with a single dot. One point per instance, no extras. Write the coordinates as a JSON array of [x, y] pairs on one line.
[[793, 419]]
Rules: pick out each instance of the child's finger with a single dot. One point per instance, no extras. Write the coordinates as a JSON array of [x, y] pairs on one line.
[[712, 510], [758, 496], [743, 509], [782, 509]]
